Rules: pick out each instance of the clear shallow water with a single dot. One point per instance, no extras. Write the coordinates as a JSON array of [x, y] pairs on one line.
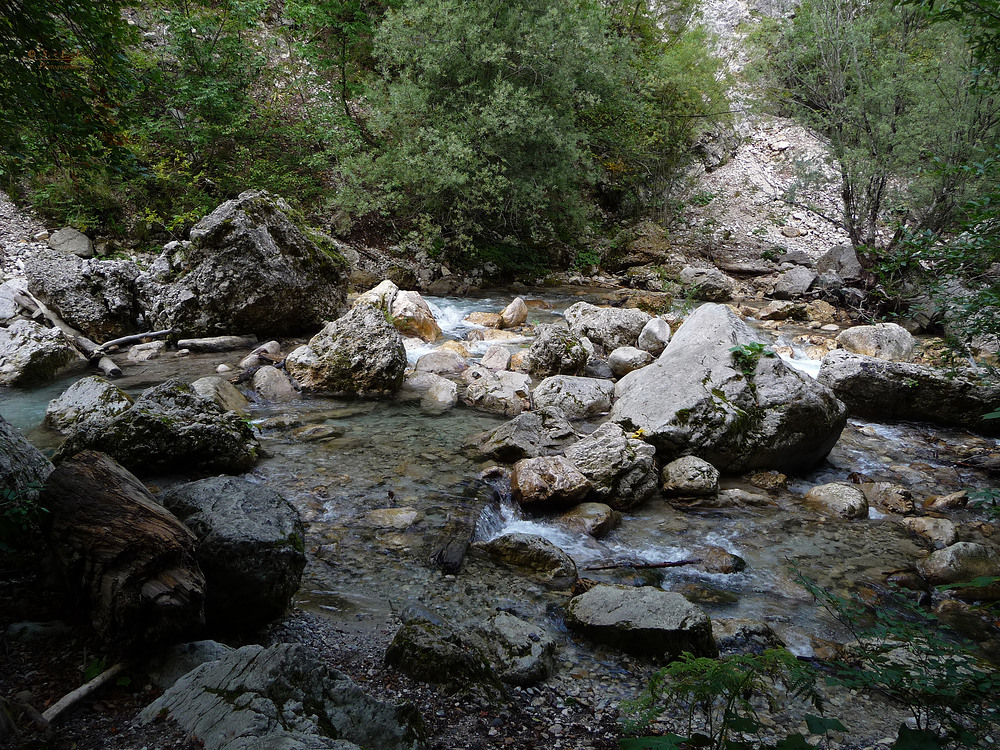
[[338, 460]]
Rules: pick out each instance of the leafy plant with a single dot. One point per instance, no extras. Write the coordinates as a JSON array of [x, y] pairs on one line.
[[20, 514], [746, 356]]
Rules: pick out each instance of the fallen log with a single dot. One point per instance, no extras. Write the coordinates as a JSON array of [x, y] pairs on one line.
[[134, 338], [109, 368], [83, 692], [218, 343], [128, 560], [643, 566], [77, 339], [453, 543]]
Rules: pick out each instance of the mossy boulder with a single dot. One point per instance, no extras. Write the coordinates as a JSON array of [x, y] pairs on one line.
[[90, 398]]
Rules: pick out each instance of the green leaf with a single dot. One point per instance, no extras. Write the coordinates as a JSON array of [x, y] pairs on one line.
[[915, 739], [743, 724], [667, 742], [793, 742], [822, 725]]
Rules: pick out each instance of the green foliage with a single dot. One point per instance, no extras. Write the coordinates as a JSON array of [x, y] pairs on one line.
[[746, 356], [20, 515], [724, 696], [911, 658]]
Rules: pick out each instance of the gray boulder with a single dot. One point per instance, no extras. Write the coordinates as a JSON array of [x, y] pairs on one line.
[[23, 468], [501, 392], [528, 435], [795, 282], [535, 557], [247, 268], [548, 482], [170, 428], [708, 284], [95, 296], [515, 314], [646, 621], [960, 563], [743, 636], [620, 468], [738, 410], [359, 353], [594, 519], [878, 389], [555, 351], [282, 697], [442, 362], [170, 664], [251, 547], [577, 398], [31, 354], [90, 398], [608, 327], [72, 241], [841, 260], [272, 384], [882, 340], [222, 392], [522, 653], [655, 336], [844, 500], [690, 476], [625, 359]]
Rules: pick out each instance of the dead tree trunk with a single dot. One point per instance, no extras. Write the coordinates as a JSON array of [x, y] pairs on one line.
[[130, 560], [458, 533]]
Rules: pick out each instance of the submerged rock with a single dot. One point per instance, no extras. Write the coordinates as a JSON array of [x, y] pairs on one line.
[[247, 268], [282, 697], [739, 410], [170, 428], [358, 353], [250, 547], [646, 621]]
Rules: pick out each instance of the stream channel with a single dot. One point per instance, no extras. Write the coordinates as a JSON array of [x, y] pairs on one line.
[[339, 459]]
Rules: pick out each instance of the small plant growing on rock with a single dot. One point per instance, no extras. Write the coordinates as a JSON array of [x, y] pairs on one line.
[[746, 356]]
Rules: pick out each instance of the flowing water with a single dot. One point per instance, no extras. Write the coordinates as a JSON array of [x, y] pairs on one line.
[[376, 481]]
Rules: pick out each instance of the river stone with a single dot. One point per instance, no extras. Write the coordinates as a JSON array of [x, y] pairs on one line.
[[534, 556], [487, 319], [528, 435], [72, 241], [250, 547], [284, 698], [882, 340], [522, 653], [708, 284], [502, 392], [170, 664], [412, 316], [938, 531], [625, 359], [393, 518], [646, 621], [794, 282], [97, 297], [380, 296], [620, 468], [222, 392], [147, 351], [23, 468], [548, 482], [695, 398], [842, 260], [89, 398], [439, 394], [515, 314], [358, 353], [960, 562], [844, 500], [496, 357], [894, 498], [689, 476], [273, 385], [655, 336], [882, 390], [608, 327], [31, 354], [428, 648], [577, 398], [738, 635], [454, 346], [247, 268], [442, 362], [555, 351], [170, 428], [719, 560], [594, 519]]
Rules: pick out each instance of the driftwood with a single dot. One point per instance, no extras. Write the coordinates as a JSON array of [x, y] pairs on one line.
[[109, 368], [135, 338], [643, 566], [458, 533], [83, 692], [218, 343], [31, 303], [131, 562]]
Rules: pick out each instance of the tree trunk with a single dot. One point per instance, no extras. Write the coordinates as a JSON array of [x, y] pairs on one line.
[[131, 562]]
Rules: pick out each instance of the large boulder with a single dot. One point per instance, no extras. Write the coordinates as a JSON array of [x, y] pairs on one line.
[[31, 354], [23, 468], [963, 562], [882, 340], [625, 359], [535, 557], [359, 353], [708, 284], [72, 241], [655, 336], [522, 653], [548, 482], [878, 389], [282, 697], [608, 327], [690, 476], [502, 392], [646, 621], [251, 547], [841, 260], [795, 282], [555, 351], [739, 410], [170, 428], [247, 268], [412, 316], [841, 499], [528, 435], [620, 468], [90, 398], [577, 398], [95, 296]]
